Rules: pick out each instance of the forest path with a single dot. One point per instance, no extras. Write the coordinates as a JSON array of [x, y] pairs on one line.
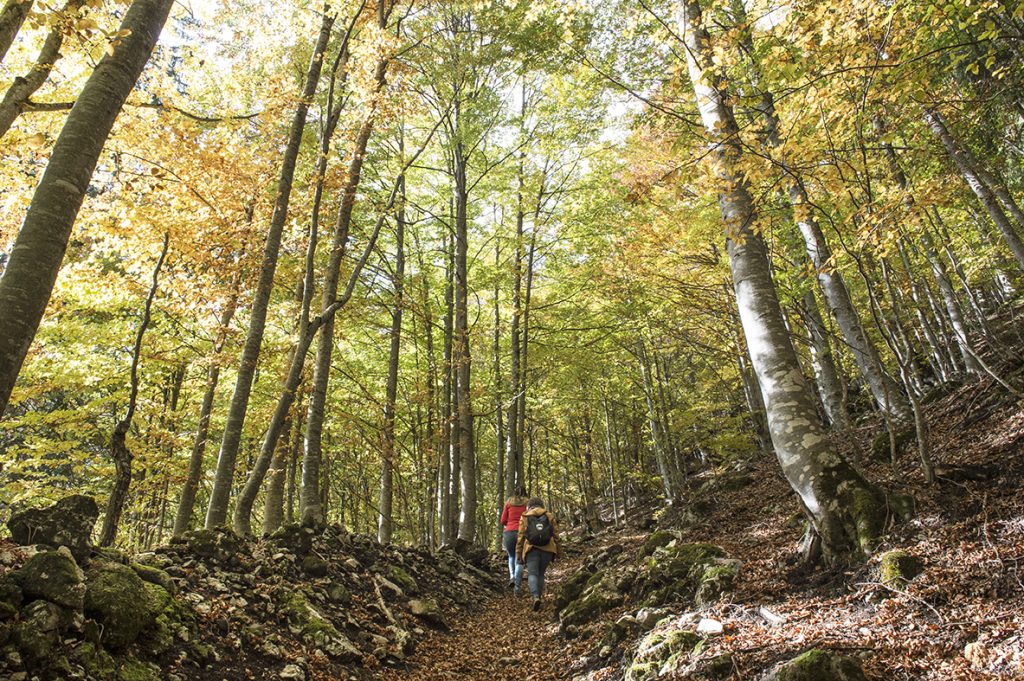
[[505, 640]]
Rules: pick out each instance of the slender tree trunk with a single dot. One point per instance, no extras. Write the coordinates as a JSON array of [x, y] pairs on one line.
[[23, 87], [11, 18], [513, 453], [384, 527], [217, 512], [837, 296], [119, 451], [826, 375], [38, 251], [445, 446], [660, 448], [461, 354], [968, 169], [312, 511], [499, 423], [273, 500], [847, 513], [523, 358], [186, 503], [885, 391]]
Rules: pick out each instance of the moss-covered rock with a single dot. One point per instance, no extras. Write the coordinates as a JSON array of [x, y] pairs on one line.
[[68, 523], [881, 448], [656, 540], [218, 543], [121, 602], [675, 572], [896, 568], [294, 537], [156, 576], [37, 632], [52, 576], [96, 661], [717, 579], [660, 651], [818, 665], [571, 588], [132, 669], [599, 596], [11, 597], [315, 566], [403, 579], [309, 623]]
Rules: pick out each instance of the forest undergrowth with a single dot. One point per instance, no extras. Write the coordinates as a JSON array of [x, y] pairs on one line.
[[961, 618]]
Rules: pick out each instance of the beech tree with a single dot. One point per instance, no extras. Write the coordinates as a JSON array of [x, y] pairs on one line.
[[37, 253]]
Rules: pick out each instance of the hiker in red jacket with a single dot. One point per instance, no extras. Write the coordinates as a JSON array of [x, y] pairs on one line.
[[514, 507]]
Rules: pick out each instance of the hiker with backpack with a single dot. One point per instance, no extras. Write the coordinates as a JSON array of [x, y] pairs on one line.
[[510, 515], [537, 545]]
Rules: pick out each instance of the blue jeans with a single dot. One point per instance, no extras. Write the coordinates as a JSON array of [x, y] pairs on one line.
[[537, 562], [515, 571]]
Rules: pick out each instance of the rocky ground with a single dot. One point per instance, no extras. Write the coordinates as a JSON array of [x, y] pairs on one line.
[[302, 604], [711, 590], [717, 590]]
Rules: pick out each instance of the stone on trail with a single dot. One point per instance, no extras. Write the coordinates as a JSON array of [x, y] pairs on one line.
[[69, 522], [428, 610]]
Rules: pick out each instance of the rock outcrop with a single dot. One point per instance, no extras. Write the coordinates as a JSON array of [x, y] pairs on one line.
[[68, 523], [302, 603]]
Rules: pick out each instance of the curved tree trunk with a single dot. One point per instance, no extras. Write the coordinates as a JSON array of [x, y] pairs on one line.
[[11, 18], [23, 87], [39, 248], [217, 512], [119, 451], [846, 512]]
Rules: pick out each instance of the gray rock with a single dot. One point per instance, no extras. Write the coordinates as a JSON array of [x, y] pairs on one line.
[[428, 610], [294, 672], [68, 523]]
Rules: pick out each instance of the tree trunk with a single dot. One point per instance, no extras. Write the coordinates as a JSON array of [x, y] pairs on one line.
[[119, 451], [826, 375], [23, 87], [500, 492], [274, 501], [217, 512], [445, 444], [384, 527], [846, 512], [186, 504], [967, 166], [660, 447], [461, 353], [312, 511], [11, 18], [38, 251]]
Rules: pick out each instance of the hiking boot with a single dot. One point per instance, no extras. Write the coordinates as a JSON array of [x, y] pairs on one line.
[[536, 604], [511, 584]]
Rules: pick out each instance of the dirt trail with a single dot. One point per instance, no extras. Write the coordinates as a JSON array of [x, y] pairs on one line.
[[504, 640]]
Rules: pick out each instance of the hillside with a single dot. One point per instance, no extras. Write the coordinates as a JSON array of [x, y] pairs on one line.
[[626, 602]]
